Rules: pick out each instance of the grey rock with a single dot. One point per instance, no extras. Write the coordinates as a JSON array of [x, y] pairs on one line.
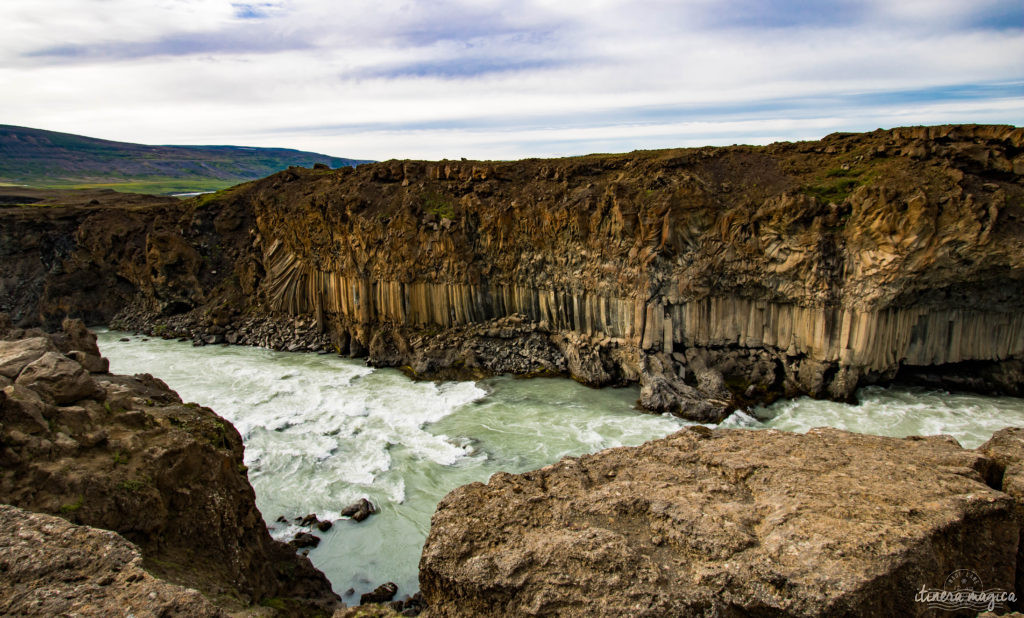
[[15, 355], [60, 379]]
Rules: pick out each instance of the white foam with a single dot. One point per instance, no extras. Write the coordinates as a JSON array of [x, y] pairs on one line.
[[321, 432]]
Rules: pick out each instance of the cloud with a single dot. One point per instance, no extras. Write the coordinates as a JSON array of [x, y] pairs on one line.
[[395, 78], [233, 40]]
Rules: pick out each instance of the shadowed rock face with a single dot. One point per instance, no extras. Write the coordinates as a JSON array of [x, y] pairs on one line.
[[125, 454], [713, 277], [728, 523]]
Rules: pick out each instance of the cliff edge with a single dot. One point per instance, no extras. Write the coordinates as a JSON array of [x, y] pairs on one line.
[[713, 277], [123, 453]]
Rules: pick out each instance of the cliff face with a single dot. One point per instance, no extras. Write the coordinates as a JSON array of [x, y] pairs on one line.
[[713, 276], [125, 454]]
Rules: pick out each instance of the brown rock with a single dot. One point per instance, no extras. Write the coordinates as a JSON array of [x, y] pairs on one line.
[[60, 379], [53, 568], [168, 476], [304, 539], [1006, 449], [747, 522], [24, 408], [79, 337], [91, 362], [359, 510], [381, 594]]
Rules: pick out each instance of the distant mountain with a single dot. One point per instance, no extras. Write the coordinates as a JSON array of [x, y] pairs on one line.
[[60, 160]]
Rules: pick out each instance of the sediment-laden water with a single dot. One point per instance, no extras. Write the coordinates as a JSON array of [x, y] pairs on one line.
[[321, 432]]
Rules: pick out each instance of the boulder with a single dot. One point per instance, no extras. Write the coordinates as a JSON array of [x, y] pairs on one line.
[[59, 378], [79, 337], [15, 355], [359, 510], [54, 568], [304, 539], [23, 408], [673, 395], [91, 362], [727, 523], [381, 594]]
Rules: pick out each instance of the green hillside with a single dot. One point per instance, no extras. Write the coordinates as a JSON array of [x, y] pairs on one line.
[[48, 159]]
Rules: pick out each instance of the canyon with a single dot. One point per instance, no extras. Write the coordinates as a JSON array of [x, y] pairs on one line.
[[715, 278]]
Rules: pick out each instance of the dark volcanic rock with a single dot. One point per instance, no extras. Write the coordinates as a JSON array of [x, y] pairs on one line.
[[304, 539], [726, 523], [359, 510], [380, 594], [53, 568]]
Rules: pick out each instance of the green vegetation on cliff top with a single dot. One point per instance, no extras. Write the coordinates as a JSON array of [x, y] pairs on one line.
[[50, 160]]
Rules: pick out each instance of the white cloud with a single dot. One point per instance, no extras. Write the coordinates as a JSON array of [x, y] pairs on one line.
[[394, 78]]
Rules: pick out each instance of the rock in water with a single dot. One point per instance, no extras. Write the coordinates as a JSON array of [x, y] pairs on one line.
[[380, 594], [51, 567], [309, 520], [304, 539], [359, 510], [726, 523]]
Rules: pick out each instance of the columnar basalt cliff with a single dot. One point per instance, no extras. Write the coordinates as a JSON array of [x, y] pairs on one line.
[[713, 277]]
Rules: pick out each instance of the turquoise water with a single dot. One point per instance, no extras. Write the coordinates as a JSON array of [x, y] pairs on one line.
[[321, 432]]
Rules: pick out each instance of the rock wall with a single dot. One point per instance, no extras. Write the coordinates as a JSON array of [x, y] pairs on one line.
[[733, 275], [835, 263]]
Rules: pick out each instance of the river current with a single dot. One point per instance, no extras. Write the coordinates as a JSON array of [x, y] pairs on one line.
[[321, 432]]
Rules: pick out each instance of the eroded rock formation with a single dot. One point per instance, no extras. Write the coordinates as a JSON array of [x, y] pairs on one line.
[[125, 454], [730, 523], [713, 277], [54, 568]]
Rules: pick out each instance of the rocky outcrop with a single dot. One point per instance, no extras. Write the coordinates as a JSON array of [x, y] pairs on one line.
[[730, 523], [54, 568], [712, 277], [125, 454]]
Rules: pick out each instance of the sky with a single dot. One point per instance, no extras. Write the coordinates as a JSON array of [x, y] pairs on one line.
[[486, 79]]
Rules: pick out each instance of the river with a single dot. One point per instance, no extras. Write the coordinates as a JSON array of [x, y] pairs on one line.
[[321, 432]]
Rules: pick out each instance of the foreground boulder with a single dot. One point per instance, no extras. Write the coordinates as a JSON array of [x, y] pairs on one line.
[[51, 567], [725, 523], [126, 454]]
